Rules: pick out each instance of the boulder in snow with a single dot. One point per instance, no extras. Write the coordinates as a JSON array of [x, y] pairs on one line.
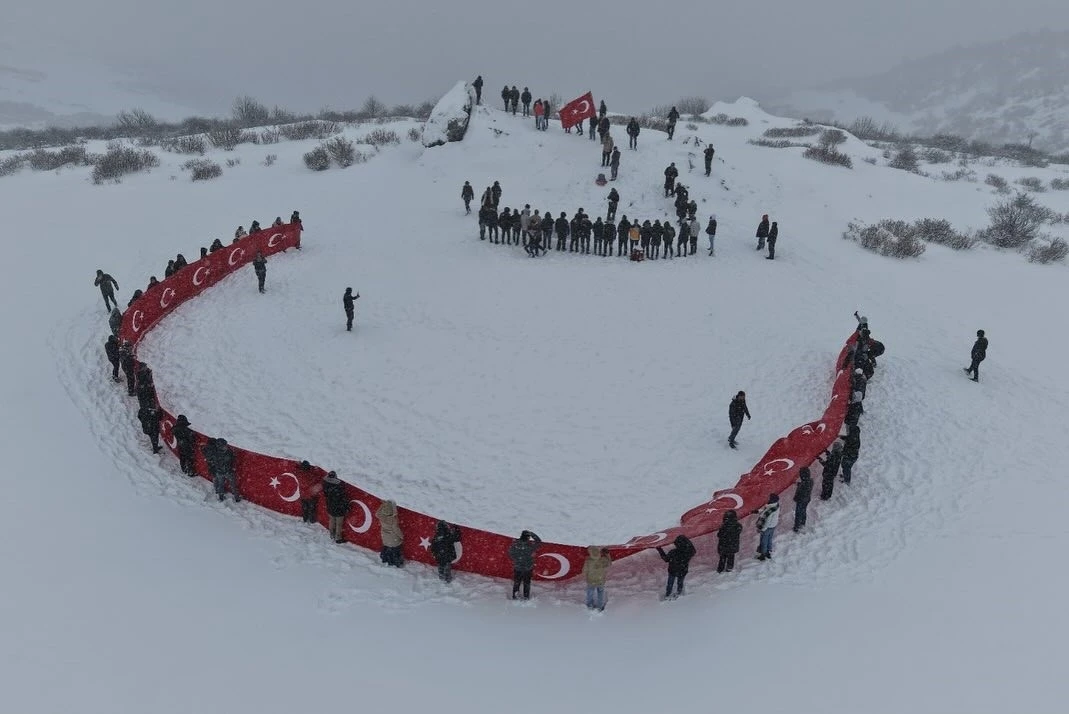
[[449, 118]]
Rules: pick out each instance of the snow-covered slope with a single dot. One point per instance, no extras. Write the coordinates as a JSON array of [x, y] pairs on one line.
[[1001, 92], [576, 395]]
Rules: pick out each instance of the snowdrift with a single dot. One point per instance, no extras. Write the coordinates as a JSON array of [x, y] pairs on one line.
[[449, 118], [278, 484]]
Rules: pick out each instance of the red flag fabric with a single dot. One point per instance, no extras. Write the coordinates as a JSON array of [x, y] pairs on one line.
[[577, 110]]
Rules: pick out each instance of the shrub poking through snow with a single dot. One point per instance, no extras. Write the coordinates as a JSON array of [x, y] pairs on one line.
[[905, 159], [381, 137], [1015, 222], [414, 134], [792, 132], [1059, 184], [41, 160], [1032, 183], [12, 164], [880, 240], [119, 161], [939, 230], [724, 120], [270, 159], [318, 159], [998, 183], [317, 129], [828, 156], [228, 136], [203, 169], [186, 145], [341, 151], [1053, 251]]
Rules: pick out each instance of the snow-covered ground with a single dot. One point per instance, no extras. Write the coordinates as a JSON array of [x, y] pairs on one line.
[[580, 396]]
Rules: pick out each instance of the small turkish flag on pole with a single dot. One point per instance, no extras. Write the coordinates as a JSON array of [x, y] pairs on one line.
[[577, 110]]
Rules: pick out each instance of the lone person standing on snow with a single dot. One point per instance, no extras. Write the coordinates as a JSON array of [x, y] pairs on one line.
[[259, 266], [632, 133], [108, 286], [347, 301], [478, 86], [522, 554], [709, 152], [670, 175], [467, 194], [979, 354], [762, 232], [673, 117], [736, 411]]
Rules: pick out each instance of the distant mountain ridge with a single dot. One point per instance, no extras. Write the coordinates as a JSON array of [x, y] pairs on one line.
[[1014, 90]]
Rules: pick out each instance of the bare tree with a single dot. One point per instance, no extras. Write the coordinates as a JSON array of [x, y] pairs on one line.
[[249, 112]]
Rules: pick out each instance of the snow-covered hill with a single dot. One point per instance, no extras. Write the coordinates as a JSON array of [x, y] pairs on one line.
[[577, 395], [1015, 90]]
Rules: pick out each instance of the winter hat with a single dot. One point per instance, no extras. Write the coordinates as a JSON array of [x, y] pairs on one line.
[[979, 333], [773, 498], [764, 217], [305, 465], [183, 420], [713, 217], [803, 473]]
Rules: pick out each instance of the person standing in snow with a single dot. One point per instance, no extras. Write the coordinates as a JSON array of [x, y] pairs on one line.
[[348, 301], [598, 230], [767, 520], [546, 114], [146, 389], [710, 231], [851, 451], [727, 541], [444, 549], [506, 95], [695, 227], [259, 266], [858, 383], [522, 554], [561, 227], [150, 425], [670, 175], [505, 221], [610, 238], [547, 231], [669, 236], [337, 500], [467, 194], [855, 409], [592, 127], [495, 193], [614, 201], [108, 285], [219, 458], [632, 133], [478, 86], [709, 152], [525, 224], [614, 163], [803, 493], [129, 366], [111, 349], [762, 232], [773, 234], [830, 460], [678, 560], [602, 109], [979, 354], [538, 114], [655, 240], [514, 97], [736, 411], [525, 99], [310, 495], [392, 538], [596, 570], [623, 231], [607, 146], [673, 117], [185, 442]]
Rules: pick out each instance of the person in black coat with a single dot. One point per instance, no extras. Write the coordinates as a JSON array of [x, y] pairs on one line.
[[979, 354], [851, 451], [858, 383], [547, 232], [259, 266], [830, 460], [254, 228], [179, 262], [709, 152], [773, 234], [135, 297], [467, 194], [216, 245], [614, 163], [484, 213], [169, 270], [673, 117], [185, 442], [478, 86], [525, 99], [614, 201], [444, 549], [803, 493], [736, 411], [855, 409], [678, 560], [492, 223], [514, 98], [609, 238], [562, 227], [670, 175], [219, 458], [128, 364], [727, 541], [150, 424], [146, 389], [633, 130], [602, 110], [599, 236], [495, 194], [108, 285], [111, 349], [348, 301], [337, 501], [762, 232], [622, 233], [656, 236]]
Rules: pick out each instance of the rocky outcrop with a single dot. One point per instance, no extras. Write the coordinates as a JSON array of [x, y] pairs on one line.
[[449, 118]]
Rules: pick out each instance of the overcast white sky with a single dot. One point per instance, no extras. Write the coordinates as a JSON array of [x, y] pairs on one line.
[[315, 53]]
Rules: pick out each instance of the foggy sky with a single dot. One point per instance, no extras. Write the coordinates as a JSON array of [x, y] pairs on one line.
[[317, 53]]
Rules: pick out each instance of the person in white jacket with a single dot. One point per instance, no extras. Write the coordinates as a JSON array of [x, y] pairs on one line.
[[767, 520]]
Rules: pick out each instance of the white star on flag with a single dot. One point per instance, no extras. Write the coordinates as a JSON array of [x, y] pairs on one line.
[[425, 543], [275, 483]]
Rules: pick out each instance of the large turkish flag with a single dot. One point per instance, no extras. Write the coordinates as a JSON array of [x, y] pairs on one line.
[[577, 110]]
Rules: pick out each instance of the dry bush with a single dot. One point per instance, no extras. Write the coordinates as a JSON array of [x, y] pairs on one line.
[[270, 136], [692, 105], [1053, 252], [318, 159], [1059, 184], [203, 169], [882, 241], [1015, 222], [270, 159], [998, 183], [792, 132], [186, 145], [939, 230], [341, 151], [315, 129], [725, 120], [772, 143], [41, 160], [905, 159], [414, 134], [119, 161], [381, 137], [227, 136], [12, 164], [1032, 183], [828, 156]]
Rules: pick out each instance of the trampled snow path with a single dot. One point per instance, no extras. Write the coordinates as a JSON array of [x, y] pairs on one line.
[[900, 585]]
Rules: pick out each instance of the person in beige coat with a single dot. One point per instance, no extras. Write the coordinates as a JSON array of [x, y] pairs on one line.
[[392, 538], [607, 145], [595, 569]]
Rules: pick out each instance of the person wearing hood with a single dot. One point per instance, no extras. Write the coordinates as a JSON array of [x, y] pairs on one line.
[[179, 262], [146, 387], [108, 285], [467, 195], [150, 425], [390, 530], [185, 442], [525, 100], [762, 232], [220, 460], [710, 231], [614, 163], [803, 493], [129, 366], [111, 349], [851, 451], [169, 270], [444, 549], [240, 233], [767, 520], [728, 537], [978, 354], [595, 570], [830, 460], [736, 411], [259, 266], [773, 235], [522, 554], [614, 201], [337, 500], [670, 175], [678, 560], [673, 117], [348, 301], [478, 86], [633, 130], [709, 152], [254, 228], [607, 145], [862, 322], [216, 245], [135, 297], [310, 495]]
